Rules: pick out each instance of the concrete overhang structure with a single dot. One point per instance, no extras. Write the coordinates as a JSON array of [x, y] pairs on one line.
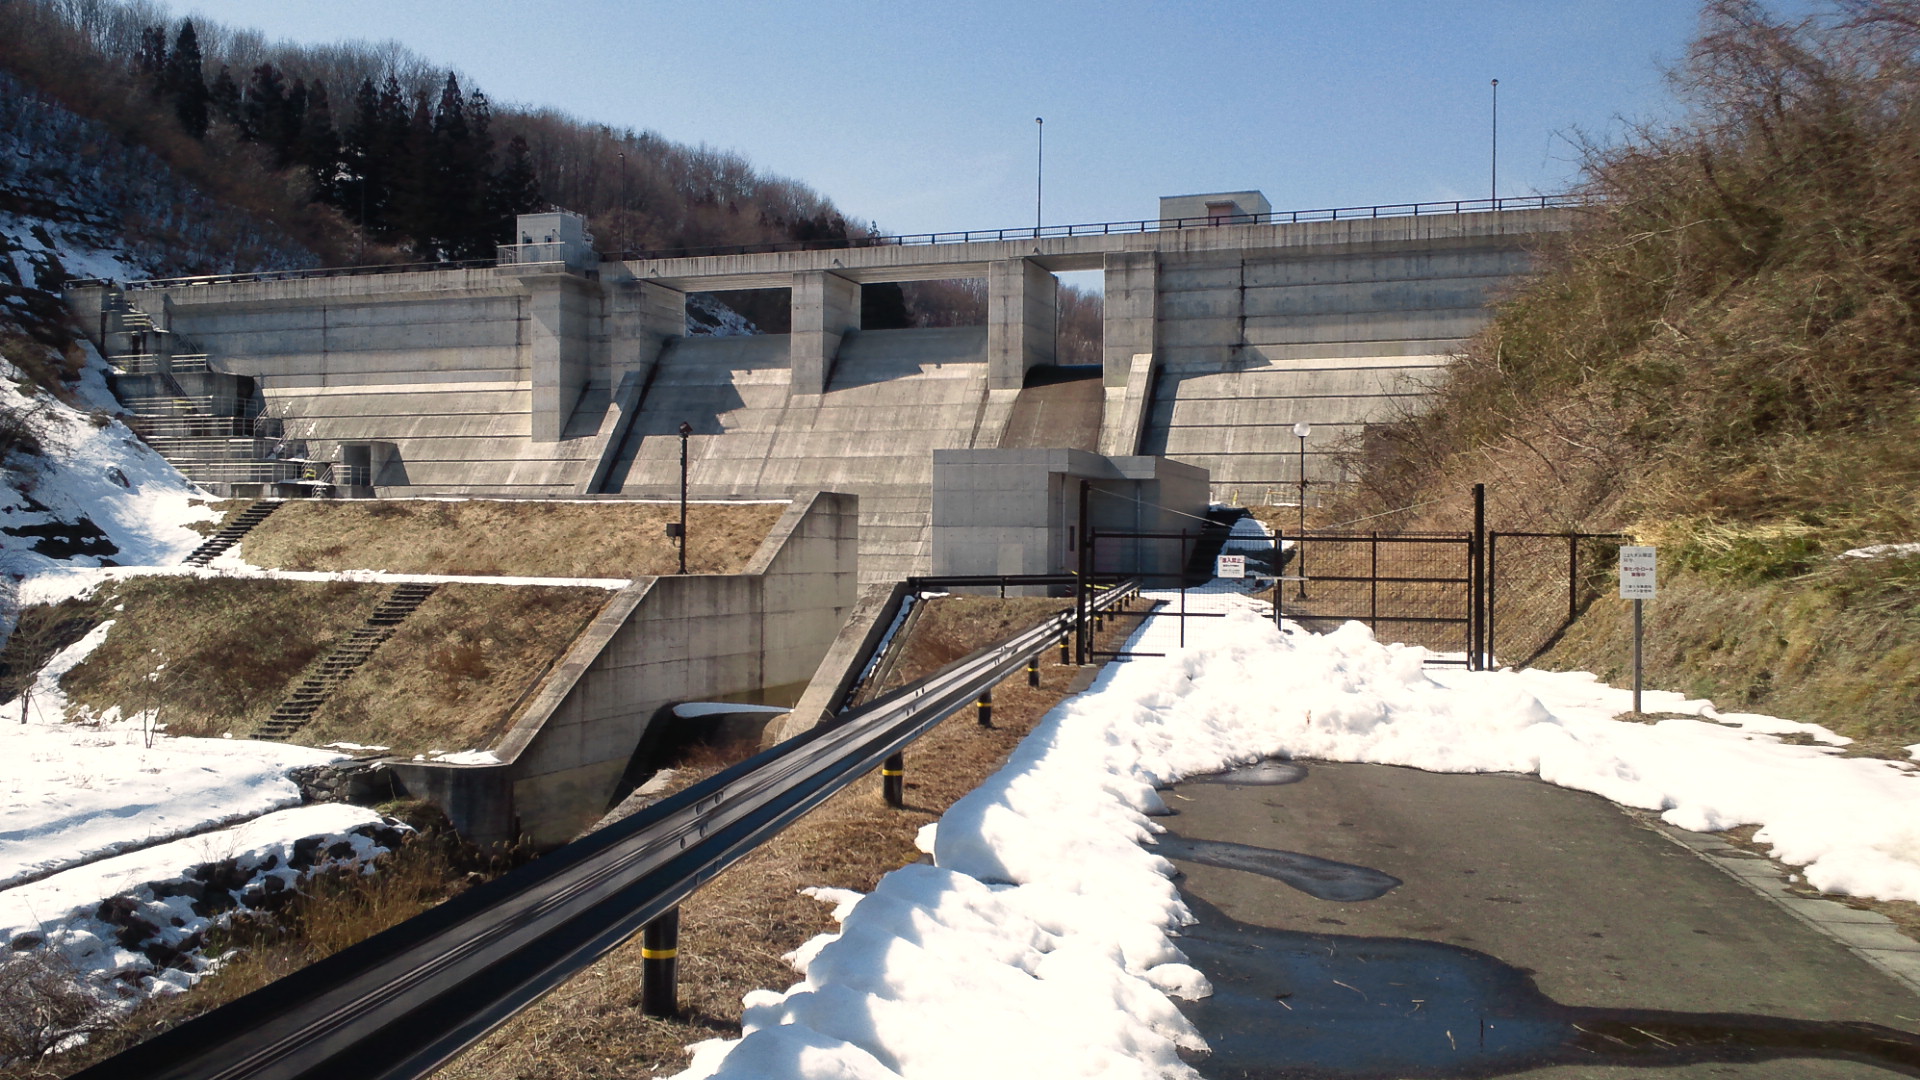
[[1008, 512]]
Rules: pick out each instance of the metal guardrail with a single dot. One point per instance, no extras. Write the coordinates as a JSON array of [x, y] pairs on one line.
[[971, 236], [406, 1000], [1116, 228], [140, 364], [295, 275]]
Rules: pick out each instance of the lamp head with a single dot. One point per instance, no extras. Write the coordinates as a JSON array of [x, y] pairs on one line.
[[686, 429], [1302, 429]]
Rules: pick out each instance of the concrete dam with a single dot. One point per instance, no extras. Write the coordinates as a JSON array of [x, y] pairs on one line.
[[556, 372]]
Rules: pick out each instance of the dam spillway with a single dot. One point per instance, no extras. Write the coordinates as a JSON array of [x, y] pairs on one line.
[[558, 372]]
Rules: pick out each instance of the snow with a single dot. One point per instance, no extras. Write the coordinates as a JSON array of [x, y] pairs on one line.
[[75, 789], [53, 585], [1042, 939], [114, 960], [693, 710], [1881, 551]]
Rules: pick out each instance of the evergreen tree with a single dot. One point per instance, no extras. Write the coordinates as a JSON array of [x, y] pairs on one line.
[[223, 98], [366, 201], [318, 148], [264, 113], [414, 212], [515, 189], [151, 60], [448, 177], [186, 83]]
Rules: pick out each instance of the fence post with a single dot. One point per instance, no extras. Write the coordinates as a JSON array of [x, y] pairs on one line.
[[660, 966], [1573, 577], [1080, 583], [1493, 593], [1373, 586], [1477, 616], [893, 781]]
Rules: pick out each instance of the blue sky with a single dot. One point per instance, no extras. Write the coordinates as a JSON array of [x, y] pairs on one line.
[[920, 116]]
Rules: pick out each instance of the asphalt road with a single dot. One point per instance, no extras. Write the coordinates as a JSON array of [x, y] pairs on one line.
[[1514, 928]]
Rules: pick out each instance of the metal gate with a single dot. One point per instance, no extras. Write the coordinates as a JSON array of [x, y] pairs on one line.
[[1411, 587], [1483, 598]]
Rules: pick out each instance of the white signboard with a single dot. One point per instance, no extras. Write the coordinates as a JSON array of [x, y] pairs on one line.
[[1230, 566], [1636, 573]]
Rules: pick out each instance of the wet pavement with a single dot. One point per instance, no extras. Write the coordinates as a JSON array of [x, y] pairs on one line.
[[1366, 922]]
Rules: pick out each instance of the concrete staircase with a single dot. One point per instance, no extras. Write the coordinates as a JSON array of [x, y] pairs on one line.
[[337, 666], [208, 424], [232, 532]]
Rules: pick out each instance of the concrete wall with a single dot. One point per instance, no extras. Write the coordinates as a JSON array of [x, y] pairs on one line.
[[1018, 511], [895, 397], [1340, 337], [541, 379], [658, 642]]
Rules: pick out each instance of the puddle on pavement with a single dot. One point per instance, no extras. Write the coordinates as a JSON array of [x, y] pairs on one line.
[[1291, 1004], [1268, 772], [1322, 879]]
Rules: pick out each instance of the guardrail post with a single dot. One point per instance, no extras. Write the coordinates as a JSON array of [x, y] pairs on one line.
[[1066, 654], [985, 705], [893, 781], [660, 966], [1033, 670]]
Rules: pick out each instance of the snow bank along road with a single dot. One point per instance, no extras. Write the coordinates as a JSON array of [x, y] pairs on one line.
[[1046, 939]]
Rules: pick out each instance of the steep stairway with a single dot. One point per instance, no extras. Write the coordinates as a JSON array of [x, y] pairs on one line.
[[232, 532], [292, 714]]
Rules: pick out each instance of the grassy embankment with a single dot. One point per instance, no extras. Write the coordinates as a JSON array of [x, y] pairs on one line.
[[1723, 360], [227, 650]]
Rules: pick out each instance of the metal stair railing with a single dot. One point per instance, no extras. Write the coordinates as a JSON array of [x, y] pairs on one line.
[[406, 1000]]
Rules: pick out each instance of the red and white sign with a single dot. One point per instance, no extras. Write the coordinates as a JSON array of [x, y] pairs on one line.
[[1637, 577]]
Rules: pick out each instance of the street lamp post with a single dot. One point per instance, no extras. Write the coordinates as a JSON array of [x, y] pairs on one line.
[[1039, 168], [686, 429], [1493, 173], [1300, 431], [623, 202]]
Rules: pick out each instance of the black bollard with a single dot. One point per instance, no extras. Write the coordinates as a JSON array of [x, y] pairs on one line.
[[1033, 670], [1065, 655], [986, 707], [660, 966], [893, 781]]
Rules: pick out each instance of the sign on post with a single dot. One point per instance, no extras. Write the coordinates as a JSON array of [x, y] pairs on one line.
[[1637, 576], [1230, 566], [1637, 581]]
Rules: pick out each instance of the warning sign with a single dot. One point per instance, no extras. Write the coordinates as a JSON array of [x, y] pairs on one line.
[[1230, 566], [1637, 577]]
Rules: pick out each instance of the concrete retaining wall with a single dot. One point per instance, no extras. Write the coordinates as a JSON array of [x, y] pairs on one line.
[[658, 642]]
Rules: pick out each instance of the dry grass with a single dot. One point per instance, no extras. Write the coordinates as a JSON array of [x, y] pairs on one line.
[[233, 648], [735, 930], [456, 672], [507, 537]]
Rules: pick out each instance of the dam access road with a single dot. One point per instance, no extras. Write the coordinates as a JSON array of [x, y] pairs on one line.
[[1494, 925]]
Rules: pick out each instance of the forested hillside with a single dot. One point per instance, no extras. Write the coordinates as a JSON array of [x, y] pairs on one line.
[[370, 153], [1725, 361]]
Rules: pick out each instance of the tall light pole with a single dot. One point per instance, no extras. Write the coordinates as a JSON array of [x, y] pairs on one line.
[[686, 429], [1039, 167], [623, 202], [1493, 183], [1300, 431]]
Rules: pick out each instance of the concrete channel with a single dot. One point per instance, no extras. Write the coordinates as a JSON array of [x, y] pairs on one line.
[[1364, 921]]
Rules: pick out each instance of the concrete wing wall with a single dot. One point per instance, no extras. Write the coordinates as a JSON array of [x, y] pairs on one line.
[[659, 642]]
